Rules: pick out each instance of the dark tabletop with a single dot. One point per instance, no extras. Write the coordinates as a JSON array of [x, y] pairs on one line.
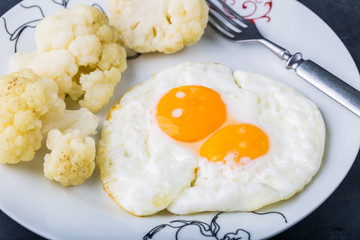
[[339, 216]]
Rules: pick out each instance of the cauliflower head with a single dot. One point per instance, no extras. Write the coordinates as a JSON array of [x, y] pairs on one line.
[[80, 51], [72, 157], [24, 99], [159, 25]]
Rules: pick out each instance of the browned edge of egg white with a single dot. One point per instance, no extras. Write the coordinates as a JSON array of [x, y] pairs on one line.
[[117, 105], [110, 195]]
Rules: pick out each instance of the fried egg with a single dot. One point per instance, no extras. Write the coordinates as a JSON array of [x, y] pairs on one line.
[[197, 137]]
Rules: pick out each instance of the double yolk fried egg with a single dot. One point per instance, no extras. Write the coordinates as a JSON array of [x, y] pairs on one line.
[[196, 137]]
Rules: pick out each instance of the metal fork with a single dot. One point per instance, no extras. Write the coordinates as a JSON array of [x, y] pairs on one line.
[[241, 30]]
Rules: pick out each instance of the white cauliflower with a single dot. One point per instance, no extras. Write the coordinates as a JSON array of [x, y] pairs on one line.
[[71, 160], [80, 51], [159, 25], [81, 119], [24, 99], [31, 108]]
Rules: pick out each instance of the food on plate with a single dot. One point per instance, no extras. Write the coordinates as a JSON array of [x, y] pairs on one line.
[[159, 25], [258, 142], [81, 119], [31, 108], [72, 156], [80, 51], [25, 98]]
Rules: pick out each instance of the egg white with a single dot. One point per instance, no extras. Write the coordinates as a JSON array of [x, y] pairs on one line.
[[146, 171]]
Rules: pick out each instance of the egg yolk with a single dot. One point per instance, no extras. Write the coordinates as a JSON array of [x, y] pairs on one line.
[[235, 142], [190, 113]]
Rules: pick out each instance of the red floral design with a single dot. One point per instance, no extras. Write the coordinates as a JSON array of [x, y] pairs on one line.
[[251, 9]]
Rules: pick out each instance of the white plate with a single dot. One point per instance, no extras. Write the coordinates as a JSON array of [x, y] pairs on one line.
[[86, 211]]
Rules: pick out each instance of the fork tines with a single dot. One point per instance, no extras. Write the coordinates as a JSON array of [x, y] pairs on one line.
[[228, 8], [227, 25]]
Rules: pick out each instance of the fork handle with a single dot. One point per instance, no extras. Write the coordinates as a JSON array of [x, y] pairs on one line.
[[325, 81]]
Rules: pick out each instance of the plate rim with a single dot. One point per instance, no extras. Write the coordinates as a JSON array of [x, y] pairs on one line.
[[39, 232]]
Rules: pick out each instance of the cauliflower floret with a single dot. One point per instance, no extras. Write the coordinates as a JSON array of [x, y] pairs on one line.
[[96, 86], [71, 160], [62, 71], [24, 99], [159, 25], [72, 44], [30, 108]]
